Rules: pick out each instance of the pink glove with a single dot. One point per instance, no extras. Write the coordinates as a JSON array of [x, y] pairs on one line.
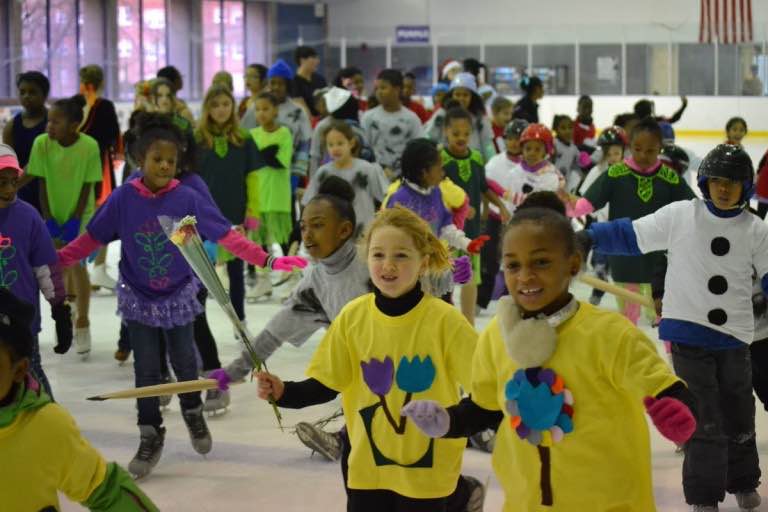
[[251, 224], [477, 244], [222, 377], [584, 159], [462, 270], [429, 416], [673, 419], [287, 263]]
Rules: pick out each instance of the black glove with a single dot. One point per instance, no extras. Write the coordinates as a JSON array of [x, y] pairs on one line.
[[583, 243], [759, 305], [269, 154], [62, 315]]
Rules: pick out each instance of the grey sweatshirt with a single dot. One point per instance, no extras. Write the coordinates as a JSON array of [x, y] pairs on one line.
[[325, 288]]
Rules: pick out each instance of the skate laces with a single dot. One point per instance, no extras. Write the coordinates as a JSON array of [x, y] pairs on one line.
[[147, 447], [196, 424]]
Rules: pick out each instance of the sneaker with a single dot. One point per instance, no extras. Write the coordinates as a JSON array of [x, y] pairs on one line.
[[484, 440], [149, 452], [100, 278], [748, 500], [704, 508], [263, 288], [317, 440], [83, 342], [216, 400], [198, 430], [122, 355], [476, 494]]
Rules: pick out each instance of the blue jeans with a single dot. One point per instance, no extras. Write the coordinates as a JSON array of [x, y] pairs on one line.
[[147, 364], [36, 365]]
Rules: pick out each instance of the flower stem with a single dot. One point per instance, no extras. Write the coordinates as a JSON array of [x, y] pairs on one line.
[[390, 419], [401, 428]]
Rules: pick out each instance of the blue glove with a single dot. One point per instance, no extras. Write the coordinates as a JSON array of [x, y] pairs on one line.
[[53, 228], [211, 248], [70, 230]]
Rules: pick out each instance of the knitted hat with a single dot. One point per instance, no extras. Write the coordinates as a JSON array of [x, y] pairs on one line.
[[335, 98], [465, 80], [280, 69], [9, 160], [439, 87], [450, 66]]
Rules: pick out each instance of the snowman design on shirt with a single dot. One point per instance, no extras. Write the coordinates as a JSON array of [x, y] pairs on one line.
[[415, 375]]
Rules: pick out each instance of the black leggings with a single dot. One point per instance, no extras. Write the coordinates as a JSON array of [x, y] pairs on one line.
[[389, 501], [237, 286], [489, 262]]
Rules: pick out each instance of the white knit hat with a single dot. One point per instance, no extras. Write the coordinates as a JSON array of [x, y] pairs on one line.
[[450, 66], [335, 98]]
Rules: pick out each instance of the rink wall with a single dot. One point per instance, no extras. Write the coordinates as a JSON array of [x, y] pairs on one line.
[[705, 116]]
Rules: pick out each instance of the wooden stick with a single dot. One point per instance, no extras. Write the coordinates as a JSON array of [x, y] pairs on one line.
[[613, 289], [173, 388]]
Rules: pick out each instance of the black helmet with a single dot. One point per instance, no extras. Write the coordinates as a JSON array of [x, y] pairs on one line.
[[613, 136], [515, 128], [675, 157], [728, 161]]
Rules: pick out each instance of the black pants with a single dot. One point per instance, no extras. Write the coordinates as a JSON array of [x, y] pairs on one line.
[[389, 501], [758, 352], [237, 286], [204, 340], [722, 454], [489, 262]]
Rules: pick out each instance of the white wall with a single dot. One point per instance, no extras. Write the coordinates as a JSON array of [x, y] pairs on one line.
[[518, 21]]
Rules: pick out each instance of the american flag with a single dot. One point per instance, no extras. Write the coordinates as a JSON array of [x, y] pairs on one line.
[[725, 21]]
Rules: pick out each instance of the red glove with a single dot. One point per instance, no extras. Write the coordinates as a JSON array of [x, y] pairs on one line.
[[477, 244], [672, 418]]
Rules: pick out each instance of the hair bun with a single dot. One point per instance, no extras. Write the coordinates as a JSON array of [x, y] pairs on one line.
[[337, 187], [543, 199], [146, 121]]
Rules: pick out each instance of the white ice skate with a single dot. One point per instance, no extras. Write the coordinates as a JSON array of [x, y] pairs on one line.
[[317, 440], [99, 277], [83, 342], [262, 290], [216, 400], [476, 494]]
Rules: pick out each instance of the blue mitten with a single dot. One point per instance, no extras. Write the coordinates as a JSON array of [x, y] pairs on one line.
[[211, 249], [429, 416], [70, 230], [53, 228]]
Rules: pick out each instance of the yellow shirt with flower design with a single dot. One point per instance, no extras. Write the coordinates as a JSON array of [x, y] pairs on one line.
[[609, 366], [378, 363]]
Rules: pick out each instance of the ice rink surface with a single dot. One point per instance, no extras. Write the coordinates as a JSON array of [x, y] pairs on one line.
[[253, 465]]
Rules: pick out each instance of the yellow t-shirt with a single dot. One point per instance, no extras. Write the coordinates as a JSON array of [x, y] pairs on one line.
[[453, 195], [42, 452], [427, 351], [604, 464]]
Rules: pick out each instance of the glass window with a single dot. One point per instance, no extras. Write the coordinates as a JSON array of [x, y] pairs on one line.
[[211, 40], [696, 68], [233, 51], [554, 64], [128, 47], [33, 35], [729, 70], [63, 48], [370, 60], [756, 74], [417, 60], [600, 69], [153, 37], [506, 65]]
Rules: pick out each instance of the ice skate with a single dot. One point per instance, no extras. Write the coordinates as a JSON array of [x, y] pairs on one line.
[[484, 440], [290, 284], [704, 508], [100, 278], [216, 400], [748, 501], [317, 440], [262, 290], [199, 434], [83, 342], [149, 452], [476, 494]]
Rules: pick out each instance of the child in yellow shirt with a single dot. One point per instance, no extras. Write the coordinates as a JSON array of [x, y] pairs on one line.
[[41, 449], [383, 350], [570, 384]]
